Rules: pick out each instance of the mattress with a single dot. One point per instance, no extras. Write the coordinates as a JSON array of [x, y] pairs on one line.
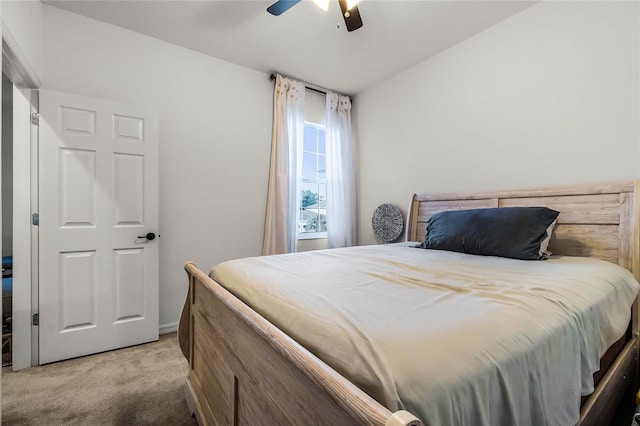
[[453, 338]]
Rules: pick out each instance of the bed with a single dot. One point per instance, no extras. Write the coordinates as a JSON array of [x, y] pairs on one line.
[[245, 370]]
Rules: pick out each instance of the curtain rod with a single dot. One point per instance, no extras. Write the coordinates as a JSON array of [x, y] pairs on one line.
[[307, 86]]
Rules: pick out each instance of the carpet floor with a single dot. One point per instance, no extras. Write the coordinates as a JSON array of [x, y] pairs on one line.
[[140, 385]]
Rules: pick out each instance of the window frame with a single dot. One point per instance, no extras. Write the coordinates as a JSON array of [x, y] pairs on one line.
[[312, 235]]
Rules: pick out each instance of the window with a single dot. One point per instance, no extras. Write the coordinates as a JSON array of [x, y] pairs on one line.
[[313, 207]]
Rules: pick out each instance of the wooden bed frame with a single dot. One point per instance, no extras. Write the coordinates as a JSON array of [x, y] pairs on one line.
[[244, 370]]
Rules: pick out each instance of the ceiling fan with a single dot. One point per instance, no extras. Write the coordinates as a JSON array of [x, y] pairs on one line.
[[349, 10]]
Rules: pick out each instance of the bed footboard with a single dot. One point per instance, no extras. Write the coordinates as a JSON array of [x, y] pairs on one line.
[[244, 370]]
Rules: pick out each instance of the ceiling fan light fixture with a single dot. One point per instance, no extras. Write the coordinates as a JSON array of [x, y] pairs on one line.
[[348, 8], [352, 3], [322, 4]]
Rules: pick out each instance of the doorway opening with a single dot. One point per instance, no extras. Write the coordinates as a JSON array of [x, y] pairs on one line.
[[7, 219]]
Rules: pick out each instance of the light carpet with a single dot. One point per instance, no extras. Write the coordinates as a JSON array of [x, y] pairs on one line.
[[140, 385]]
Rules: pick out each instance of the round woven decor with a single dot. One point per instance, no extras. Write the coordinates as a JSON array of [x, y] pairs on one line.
[[387, 222]]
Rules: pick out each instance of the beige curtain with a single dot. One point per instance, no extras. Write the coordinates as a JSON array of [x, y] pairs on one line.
[[281, 222], [341, 173]]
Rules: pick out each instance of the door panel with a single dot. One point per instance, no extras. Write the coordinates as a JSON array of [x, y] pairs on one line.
[[78, 288], [98, 194], [129, 289], [77, 188], [128, 171]]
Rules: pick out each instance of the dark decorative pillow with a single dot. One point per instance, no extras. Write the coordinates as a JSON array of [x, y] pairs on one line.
[[515, 232]]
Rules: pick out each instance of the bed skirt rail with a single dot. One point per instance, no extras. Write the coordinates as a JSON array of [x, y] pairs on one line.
[[244, 370], [601, 406]]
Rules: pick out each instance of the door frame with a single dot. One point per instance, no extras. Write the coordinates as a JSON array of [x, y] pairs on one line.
[[25, 271], [23, 232]]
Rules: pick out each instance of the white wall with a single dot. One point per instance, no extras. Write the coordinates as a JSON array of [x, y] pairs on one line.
[[215, 131], [549, 96], [22, 28]]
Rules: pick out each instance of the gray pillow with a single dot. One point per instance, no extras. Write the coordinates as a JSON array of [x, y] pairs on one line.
[[514, 232]]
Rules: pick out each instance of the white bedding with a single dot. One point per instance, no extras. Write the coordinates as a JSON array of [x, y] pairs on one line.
[[455, 339]]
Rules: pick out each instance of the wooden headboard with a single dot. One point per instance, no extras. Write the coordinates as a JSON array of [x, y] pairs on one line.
[[601, 221]]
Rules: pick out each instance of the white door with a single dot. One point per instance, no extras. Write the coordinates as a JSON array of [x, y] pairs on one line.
[[98, 199]]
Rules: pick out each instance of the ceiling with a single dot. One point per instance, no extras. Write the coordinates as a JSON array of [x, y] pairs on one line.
[[305, 42]]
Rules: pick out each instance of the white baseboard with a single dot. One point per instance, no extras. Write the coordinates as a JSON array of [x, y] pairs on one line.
[[169, 328]]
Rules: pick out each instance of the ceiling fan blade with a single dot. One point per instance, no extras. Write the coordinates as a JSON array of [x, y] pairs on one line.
[[281, 6], [351, 17]]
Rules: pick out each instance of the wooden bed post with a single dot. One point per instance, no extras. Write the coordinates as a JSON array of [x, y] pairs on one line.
[[635, 251], [412, 219]]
